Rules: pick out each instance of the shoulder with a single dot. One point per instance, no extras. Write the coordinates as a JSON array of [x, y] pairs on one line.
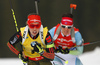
[[54, 28], [77, 33], [45, 29], [76, 29], [22, 28]]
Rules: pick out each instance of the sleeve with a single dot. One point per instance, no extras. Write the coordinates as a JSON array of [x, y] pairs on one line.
[[78, 39], [13, 41], [49, 54]]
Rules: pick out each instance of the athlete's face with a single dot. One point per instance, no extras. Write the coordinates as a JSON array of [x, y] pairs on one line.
[[66, 29], [34, 28]]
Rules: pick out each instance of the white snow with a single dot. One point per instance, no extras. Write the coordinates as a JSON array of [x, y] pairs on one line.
[[10, 61], [91, 58], [87, 58]]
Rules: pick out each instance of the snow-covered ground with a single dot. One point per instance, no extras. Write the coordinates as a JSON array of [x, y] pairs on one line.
[[10, 61], [87, 58], [91, 58]]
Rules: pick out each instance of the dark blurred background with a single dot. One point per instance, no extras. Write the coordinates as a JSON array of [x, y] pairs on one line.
[[86, 18]]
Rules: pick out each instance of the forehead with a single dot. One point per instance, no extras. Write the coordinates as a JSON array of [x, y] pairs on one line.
[[66, 25], [35, 23]]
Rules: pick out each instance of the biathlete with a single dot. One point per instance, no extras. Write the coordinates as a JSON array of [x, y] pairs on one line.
[[66, 37], [36, 43]]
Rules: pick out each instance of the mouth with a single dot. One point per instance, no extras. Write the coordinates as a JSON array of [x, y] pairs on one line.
[[66, 31], [34, 32]]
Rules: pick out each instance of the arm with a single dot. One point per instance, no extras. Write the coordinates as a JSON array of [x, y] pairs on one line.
[[13, 41], [78, 39], [49, 47], [12, 46]]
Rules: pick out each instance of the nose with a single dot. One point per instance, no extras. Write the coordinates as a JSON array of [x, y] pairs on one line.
[[66, 28], [34, 28]]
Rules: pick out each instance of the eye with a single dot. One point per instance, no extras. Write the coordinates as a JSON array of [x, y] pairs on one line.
[[63, 26], [69, 27]]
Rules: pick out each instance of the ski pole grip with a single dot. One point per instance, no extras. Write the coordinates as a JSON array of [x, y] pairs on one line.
[[73, 6]]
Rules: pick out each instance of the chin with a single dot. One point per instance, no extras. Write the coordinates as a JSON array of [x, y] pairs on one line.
[[34, 34]]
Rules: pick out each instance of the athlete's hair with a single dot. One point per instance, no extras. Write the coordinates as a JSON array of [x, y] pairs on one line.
[[33, 14], [67, 15]]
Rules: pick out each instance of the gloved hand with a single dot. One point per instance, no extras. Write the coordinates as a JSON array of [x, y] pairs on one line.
[[57, 50], [37, 47], [63, 51], [24, 60]]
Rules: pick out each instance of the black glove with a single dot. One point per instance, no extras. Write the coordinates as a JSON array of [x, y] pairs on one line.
[[22, 58], [57, 50], [63, 51], [37, 47]]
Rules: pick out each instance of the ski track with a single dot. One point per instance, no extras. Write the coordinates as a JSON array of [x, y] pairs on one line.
[[87, 58]]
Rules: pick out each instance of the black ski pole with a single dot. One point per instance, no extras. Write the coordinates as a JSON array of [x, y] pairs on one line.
[[66, 61]]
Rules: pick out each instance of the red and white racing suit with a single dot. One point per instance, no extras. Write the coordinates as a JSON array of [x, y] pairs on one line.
[[65, 42]]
